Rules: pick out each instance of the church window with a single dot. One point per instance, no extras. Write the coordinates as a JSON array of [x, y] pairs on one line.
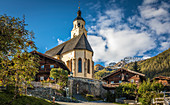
[[78, 24], [88, 66], [82, 26], [71, 65], [79, 65]]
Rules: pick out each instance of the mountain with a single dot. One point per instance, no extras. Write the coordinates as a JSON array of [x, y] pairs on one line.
[[98, 67], [117, 65], [156, 66]]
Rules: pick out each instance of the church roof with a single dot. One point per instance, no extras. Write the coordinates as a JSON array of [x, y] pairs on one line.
[[78, 42]]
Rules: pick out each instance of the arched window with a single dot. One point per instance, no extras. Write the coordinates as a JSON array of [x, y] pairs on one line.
[[88, 66], [71, 65], [79, 65], [78, 24]]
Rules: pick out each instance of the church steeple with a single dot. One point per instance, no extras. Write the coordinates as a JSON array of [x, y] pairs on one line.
[[78, 25], [79, 12]]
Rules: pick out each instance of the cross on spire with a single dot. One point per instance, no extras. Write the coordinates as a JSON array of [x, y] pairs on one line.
[[79, 5]]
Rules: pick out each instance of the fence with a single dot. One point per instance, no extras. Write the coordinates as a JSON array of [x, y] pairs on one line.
[[45, 85]]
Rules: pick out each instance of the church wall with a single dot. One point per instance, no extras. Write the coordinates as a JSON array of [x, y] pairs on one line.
[[67, 56], [79, 54], [89, 56], [84, 55]]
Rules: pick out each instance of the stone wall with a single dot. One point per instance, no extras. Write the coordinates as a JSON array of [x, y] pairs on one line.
[[48, 93], [79, 85]]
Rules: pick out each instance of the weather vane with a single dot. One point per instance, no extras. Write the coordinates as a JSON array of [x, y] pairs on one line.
[[79, 5]]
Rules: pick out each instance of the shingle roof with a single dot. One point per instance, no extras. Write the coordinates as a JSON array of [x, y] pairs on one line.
[[134, 72], [78, 42], [62, 64]]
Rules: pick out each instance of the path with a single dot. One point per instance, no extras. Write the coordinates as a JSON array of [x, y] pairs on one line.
[[80, 98], [85, 103]]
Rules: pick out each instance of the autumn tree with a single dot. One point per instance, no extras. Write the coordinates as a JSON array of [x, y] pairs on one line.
[[17, 66]]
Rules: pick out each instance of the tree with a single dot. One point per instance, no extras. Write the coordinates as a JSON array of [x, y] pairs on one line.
[[60, 76], [148, 90], [101, 73], [135, 67], [126, 89], [17, 65]]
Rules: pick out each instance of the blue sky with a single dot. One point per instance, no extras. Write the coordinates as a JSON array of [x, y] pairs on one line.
[[116, 28]]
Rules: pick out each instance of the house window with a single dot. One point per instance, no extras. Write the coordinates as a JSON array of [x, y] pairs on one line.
[[51, 66], [78, 24], [132, 80], [79, 65], [88, 69], [112, 82], [42, 67], [126, 75], [120, 81], [41, 78]]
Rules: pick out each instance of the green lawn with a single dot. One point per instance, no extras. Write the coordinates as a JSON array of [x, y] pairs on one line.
[[23, 100]]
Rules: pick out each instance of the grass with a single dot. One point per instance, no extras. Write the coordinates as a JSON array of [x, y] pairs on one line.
[[23, 100]]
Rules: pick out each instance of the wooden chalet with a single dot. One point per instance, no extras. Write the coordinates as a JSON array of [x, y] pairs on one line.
[[46, 64], [164, 80], [122, 75]]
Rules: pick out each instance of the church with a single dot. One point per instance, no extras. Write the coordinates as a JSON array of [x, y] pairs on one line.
[[76, 52]]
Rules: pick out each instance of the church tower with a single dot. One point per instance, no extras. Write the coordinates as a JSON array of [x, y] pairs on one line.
[[76, 53], [78, 26]]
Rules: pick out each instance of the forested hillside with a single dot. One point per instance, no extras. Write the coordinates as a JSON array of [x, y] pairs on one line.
[[155, 66]]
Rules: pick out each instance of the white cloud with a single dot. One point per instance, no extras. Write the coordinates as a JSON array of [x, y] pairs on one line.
[[146, 57], [112, 39], [165, 45], [156, 17], [59, 41], [149, 1], [115, 43]]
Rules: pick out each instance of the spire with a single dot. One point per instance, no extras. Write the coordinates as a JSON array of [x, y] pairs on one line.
[[79, 12]]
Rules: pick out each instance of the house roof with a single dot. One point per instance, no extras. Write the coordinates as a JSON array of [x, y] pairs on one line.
[[161, 78], [56, 60], [78, 42], [134, 72]]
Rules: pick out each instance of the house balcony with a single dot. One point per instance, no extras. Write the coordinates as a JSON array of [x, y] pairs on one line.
[[110, 86]]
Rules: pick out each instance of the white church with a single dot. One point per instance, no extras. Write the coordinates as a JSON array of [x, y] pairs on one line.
[[76, 52]]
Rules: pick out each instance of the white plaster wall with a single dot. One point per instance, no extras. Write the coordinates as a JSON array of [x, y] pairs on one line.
[[67, 56], [78, 30]]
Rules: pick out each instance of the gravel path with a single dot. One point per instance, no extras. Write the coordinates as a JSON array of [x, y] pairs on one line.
[[85, 103]]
